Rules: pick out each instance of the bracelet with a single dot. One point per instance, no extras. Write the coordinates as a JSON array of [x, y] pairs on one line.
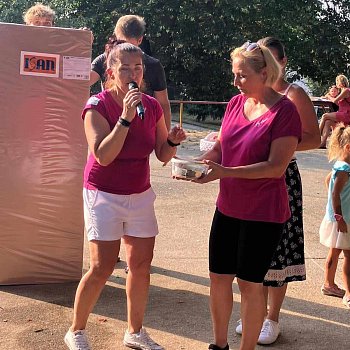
[[124, 122], [338, 217], [172, 144]]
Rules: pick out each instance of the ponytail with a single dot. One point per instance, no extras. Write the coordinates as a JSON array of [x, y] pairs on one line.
[[340, 137]]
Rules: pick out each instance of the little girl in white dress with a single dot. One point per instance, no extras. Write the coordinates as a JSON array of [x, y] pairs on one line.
[[335, 226]]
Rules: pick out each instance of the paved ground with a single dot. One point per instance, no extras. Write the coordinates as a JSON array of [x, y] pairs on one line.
[[37, 317]]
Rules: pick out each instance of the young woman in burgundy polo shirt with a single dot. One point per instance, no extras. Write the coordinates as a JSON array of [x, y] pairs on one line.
[[118, 197]]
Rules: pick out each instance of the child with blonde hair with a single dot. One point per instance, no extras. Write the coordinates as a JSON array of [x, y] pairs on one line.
[[335, 226], [39, 15]]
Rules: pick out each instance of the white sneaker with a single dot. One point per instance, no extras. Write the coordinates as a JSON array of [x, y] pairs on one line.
[[269, 332], [77, 340], [239, 327], [140, 341]]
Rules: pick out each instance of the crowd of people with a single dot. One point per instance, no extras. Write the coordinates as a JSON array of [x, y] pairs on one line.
[[255, 153]]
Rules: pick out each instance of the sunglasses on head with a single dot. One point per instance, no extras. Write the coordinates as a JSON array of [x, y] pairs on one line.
[[249, 46]]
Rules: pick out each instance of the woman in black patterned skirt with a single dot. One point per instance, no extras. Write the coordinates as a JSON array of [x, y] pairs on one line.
[[288, 264]]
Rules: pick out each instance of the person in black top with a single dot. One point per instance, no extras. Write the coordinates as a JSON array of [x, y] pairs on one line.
[[145, 46], [131, 29]]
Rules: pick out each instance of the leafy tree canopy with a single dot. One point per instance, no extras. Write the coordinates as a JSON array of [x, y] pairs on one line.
[[193, 38]]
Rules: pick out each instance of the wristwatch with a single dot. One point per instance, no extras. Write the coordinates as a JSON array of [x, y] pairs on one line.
[[338, 217]]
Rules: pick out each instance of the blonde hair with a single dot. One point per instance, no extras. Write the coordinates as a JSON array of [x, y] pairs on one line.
[[130, 26], [113, 57], [340, 137], [343, 80], [38, 11], [258, 59]]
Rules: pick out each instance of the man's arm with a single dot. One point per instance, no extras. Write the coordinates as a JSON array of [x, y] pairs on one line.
[[162, 98], [155, 79], [98, 66], [94, 77]]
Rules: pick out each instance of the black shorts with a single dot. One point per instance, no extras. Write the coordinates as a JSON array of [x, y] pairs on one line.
[[242, 248]]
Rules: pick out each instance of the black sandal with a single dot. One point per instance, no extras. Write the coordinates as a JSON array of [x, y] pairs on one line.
[[215, 347]]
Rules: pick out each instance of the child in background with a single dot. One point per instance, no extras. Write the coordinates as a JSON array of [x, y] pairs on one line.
[[335, 226], [39, 15], [333, 92]]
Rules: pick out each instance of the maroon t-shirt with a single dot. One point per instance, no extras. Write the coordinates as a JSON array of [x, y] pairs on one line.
[[245, 142], [129, 172]]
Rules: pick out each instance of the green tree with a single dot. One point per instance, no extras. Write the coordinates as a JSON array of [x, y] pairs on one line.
[[193, 38]]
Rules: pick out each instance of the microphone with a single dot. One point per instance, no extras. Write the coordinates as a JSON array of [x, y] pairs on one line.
[[139, 108]]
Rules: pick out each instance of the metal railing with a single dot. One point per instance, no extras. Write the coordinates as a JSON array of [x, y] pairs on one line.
[[182, 103], [324, 105]]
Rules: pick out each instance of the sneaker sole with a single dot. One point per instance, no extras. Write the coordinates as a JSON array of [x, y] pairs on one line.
[[67, 343], [330, 294], [132, 346], [136, 347], [267, 343]]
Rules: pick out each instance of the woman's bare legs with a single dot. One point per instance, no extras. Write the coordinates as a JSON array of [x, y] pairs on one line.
[[221, 303], [328, 121], [103, 256], [253, 311], [139, 255], [275, 299]]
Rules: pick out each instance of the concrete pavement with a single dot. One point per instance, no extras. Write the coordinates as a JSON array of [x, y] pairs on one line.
[[37, 316]]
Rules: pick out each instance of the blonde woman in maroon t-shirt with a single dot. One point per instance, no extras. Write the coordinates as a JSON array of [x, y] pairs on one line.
[[288, 263], [258, 136]]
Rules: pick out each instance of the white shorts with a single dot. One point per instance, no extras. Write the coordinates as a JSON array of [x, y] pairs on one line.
[[108, 216], [331, 237]]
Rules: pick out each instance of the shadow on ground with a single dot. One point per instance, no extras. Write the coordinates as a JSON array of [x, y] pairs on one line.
[[181, 312]]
